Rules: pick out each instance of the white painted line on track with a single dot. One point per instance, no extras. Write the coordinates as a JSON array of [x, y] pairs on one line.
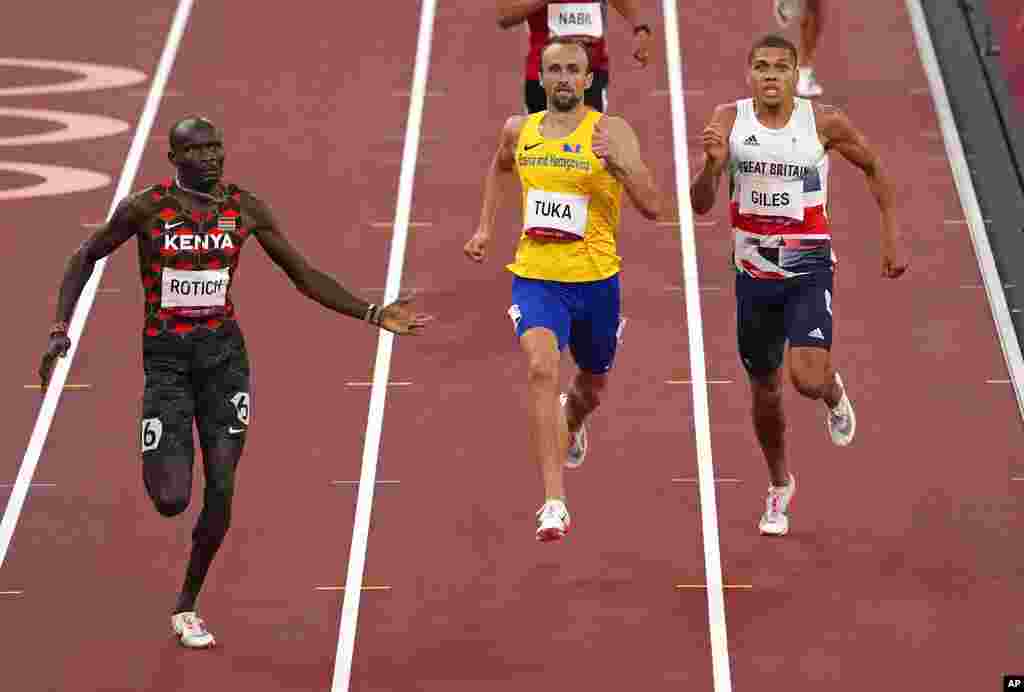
[[997, 382], [694, 381], [411, 224], [345, 588], [11, 593], [357, 482], [721, 675], [370, 384], [60, 371], [717, 480], [969, 201], [375, 423]]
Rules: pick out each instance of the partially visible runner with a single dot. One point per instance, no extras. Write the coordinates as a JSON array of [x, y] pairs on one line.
[[775, 148], [190, 233], [573, 163], [812, 20], [585, 21]]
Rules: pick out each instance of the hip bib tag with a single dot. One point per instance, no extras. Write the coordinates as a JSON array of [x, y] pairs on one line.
[[205, 288], [767, 197], [556, 215], [576, 19]]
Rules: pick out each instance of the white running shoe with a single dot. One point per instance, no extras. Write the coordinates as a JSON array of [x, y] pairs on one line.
[[774, 521], [807, 85], [191, 631], [785, 11], [841, 421], [577, 441], [552, 521]]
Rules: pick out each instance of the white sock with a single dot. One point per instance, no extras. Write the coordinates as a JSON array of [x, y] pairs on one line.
[[806, 72]]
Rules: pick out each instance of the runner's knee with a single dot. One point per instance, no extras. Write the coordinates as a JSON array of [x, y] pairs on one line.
[[767, 391], [809, 383], [170, 500], [542, 367]]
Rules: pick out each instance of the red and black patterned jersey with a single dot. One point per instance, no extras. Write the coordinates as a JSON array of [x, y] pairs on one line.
[[188, 260]]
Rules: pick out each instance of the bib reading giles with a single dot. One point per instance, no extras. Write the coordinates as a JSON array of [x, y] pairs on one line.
[[778, 195], [188, 260], [571, 206]]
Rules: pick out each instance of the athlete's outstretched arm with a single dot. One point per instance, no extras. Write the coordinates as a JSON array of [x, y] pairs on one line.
[[123, 225], [617, 145], [512, 12], [704, 188], [311, 282], [840, 135], [502, 164]]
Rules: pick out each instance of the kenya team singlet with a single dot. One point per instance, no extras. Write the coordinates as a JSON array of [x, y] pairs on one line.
[[188, 261]]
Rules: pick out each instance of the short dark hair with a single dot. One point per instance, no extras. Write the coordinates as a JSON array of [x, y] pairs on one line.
[[565, 41], [178, 129], [773, 41]]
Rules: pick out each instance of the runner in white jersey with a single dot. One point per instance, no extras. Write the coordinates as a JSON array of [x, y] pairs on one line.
[[775, 148]]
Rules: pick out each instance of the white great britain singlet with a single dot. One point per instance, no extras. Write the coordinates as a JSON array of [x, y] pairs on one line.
[[778, 194]]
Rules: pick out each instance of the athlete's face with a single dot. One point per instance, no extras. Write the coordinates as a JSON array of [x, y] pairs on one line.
[[565, 75], [772, 75], [197, 151]]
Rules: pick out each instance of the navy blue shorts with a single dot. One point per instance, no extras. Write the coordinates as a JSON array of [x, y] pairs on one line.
[[772, 312], [585, 316]]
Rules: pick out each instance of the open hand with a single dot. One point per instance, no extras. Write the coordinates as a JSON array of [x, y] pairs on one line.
[[397, 317]]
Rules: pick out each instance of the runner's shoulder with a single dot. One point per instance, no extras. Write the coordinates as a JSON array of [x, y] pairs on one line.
[[253, 208], [141, 204]]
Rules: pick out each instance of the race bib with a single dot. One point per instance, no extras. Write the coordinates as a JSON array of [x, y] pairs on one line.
[[556, 215], [576, 19], [767, 197], [205, 288]]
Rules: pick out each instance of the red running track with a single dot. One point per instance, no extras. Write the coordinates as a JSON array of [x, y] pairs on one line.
[[902, 546]]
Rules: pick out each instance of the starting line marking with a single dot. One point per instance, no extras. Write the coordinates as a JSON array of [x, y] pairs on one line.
[[370, 384], [411, 224], [691, 381], [357, 482], [361, 588], [67, 386]]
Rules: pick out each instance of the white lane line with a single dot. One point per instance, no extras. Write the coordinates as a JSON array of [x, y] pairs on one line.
[[997, 382], [411, 224], [11, 593], [701, 418], [969, 201], [717, 480], [375, 423], [60, 372]]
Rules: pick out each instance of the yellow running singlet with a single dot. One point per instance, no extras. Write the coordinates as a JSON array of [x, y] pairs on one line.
[[571, 206]]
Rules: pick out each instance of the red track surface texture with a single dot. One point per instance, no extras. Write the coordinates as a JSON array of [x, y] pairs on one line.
[[899, 571]]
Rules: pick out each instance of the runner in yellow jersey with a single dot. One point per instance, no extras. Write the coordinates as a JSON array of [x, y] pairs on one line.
[[573, 163]]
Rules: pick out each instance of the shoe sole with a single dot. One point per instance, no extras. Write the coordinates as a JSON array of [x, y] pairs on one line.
[[549, 535], [181, 642]]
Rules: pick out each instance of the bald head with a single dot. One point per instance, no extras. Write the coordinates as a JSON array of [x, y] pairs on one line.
[[188, 129], [197, 152]]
